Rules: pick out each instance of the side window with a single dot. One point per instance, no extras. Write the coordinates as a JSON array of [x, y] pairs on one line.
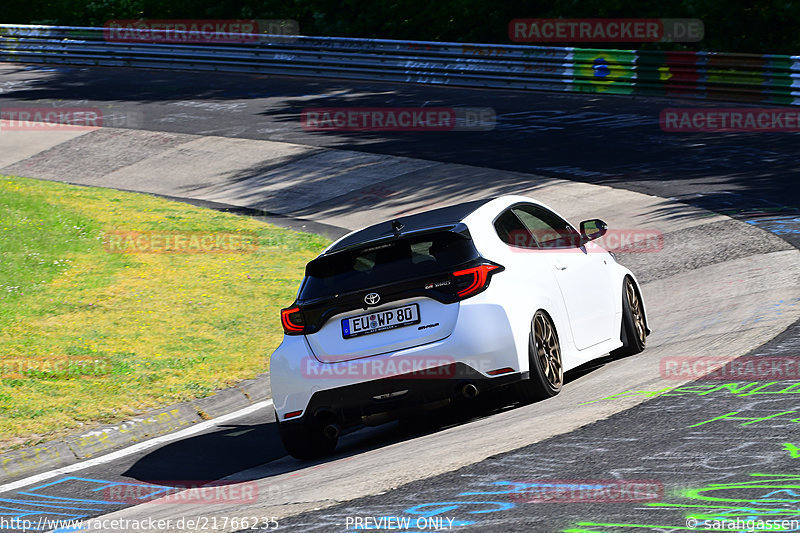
[[548, 229], [512, 231]]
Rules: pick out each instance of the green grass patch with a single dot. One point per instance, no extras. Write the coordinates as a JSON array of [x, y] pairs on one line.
[[89, 336]]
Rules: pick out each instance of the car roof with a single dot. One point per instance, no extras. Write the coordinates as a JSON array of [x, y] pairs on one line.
[[442, 217]]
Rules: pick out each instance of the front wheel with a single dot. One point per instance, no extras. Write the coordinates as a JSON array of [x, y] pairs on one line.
[[634, 330], [544, 358], [306, 440]]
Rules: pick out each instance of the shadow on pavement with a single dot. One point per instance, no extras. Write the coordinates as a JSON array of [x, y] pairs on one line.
[[234, 448]]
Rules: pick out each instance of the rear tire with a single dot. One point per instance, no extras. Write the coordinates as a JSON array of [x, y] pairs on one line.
[[633, 332], [544, 357], [306, 440]]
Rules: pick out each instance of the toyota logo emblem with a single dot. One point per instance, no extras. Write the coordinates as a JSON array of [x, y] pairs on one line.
[[372, 298]]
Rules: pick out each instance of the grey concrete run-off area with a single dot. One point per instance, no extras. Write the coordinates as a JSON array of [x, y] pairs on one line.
[[718, 287]]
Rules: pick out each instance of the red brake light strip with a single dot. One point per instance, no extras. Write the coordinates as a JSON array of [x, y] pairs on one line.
[[287, 323], [479, 273]]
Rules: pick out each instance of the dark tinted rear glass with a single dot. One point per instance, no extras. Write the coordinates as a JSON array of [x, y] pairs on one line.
[[397, 260]]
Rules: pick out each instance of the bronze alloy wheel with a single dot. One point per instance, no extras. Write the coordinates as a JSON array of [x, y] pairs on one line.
[[548, 350], [636, 311], [546, 375], [633, 332]]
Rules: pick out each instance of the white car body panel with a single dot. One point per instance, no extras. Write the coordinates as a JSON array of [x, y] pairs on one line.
[[482, 339], [329, 346], [487, 331]]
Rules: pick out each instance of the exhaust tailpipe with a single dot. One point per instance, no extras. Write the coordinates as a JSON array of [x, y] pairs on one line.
[[332, 431], [469, 390]]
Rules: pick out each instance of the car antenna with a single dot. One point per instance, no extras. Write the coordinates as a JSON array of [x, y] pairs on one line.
[[397, 226]]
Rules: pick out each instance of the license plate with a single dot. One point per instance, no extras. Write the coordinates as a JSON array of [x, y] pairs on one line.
[[376, 321]]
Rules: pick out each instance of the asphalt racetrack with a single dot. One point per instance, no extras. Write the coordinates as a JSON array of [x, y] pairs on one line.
[[624, 447]]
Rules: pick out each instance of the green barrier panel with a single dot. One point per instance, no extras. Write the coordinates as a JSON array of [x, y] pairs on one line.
[[779, 79], [604, 71]]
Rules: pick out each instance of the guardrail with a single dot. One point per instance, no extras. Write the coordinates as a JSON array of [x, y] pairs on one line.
[[772, 79]]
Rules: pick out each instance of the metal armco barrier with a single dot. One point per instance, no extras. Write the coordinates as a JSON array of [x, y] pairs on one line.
[[772, 79]]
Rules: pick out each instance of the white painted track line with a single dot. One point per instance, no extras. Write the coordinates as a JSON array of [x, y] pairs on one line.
[[130, 450]]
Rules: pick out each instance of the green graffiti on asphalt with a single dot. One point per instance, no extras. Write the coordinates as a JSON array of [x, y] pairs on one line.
[[794, 451], [753, 420], [763, 497], [736, 389], [783, 485], [581, 525]]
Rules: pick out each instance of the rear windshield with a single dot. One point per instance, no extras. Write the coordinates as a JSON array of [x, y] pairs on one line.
[[397, 260]]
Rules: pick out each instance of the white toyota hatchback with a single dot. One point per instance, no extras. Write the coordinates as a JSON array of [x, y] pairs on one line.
[[431, 308]]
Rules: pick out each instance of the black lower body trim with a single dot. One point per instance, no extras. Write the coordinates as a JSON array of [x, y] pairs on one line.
[[382, 400]]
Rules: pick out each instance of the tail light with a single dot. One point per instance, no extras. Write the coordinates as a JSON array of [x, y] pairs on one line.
[[471, 281], [292, 321]]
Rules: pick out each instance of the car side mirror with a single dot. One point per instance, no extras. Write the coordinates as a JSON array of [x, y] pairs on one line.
[[592, 229]]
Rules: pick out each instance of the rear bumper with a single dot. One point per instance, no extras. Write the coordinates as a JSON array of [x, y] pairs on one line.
[[481, 342], [382, 400]]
